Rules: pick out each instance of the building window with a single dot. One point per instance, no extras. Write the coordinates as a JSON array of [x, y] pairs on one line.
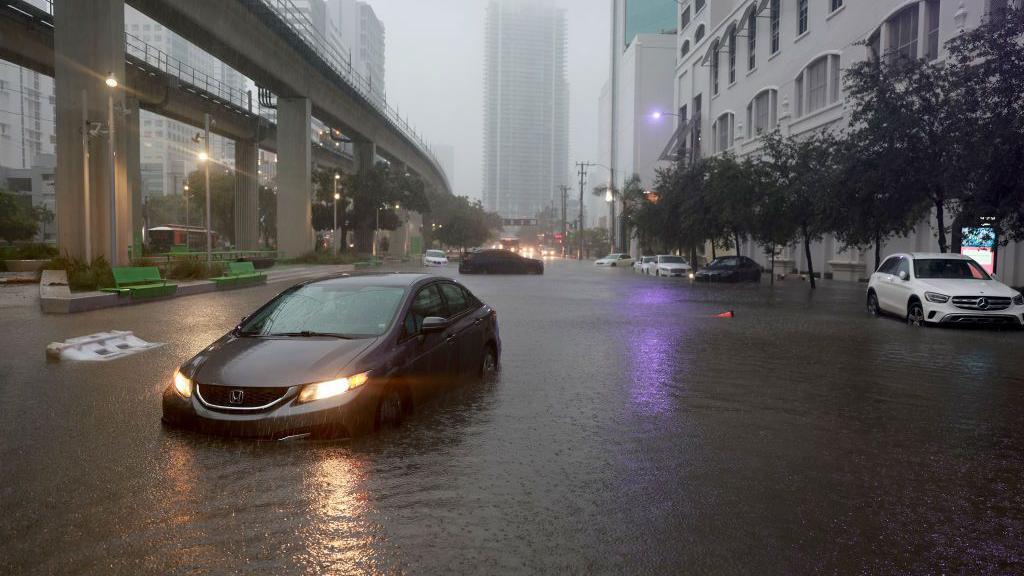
[[699, 34], [696, 133], [732, 55], [685, 49], [714, 68], [698, 6], [752, 40], [774, 15], [801, 16], [761, 113], [818, 85], [835, 5], [932, 10], [684, 20], [721, 132], [903, 34]]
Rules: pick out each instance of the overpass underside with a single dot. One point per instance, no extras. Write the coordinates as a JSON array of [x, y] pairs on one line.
[[98, 188]]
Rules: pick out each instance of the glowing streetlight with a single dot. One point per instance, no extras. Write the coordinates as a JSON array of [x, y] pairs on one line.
[[111, 80], [203, 156], [608, 195]]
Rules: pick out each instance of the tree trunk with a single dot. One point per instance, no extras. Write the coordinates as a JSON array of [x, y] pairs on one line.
[[773, 264], [736, 238], [878, 250], [342, 229], [713, 255], [940, 219], [807, 252]]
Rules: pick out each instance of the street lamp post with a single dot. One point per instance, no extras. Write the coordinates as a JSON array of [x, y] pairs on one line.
[[111, 82], [337, 197], [185, 194], [206, 177]]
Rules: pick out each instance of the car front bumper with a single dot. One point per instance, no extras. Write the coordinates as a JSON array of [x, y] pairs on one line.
[[435, 262], [673, 272], [350, 414], [948, 314]]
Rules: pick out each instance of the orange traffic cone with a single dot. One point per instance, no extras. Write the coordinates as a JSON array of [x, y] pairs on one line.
[[728, 314]]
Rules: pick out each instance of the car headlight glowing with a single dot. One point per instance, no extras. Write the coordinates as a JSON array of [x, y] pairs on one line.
[[182, 385], [936, 297], [692, 275], [1018, 300], [331, 388]]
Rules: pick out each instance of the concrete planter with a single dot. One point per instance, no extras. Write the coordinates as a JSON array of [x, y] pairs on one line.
[[846, 271], [783, 267], [25, 265]]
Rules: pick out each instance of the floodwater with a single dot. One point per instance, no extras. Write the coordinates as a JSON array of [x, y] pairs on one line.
[[629, 432]]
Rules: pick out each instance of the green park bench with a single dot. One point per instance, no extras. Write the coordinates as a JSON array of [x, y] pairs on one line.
[[179, 249], [140, 282], [239, 274]]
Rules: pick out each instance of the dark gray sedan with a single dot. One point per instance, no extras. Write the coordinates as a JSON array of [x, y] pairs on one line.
[[337, 357]]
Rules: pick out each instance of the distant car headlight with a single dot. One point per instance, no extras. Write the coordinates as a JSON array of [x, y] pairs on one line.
[[1018, 300], [331, 388], [936, 297], [692, 275], [182, 385]]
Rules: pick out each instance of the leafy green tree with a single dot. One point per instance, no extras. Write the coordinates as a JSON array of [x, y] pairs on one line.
[[463, 223], [733, 190], [222, 202], [986, 71], [382, 188], [267, 210], [18, 221]]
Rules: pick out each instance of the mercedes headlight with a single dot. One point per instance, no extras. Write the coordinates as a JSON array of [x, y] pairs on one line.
[[182, 385], [331, 388], [1018, 300], [936, 297]]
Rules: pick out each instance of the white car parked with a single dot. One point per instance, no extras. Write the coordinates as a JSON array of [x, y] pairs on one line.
[[641, 264], [615, 260], [435, 258], [668, 265], [942, 289]]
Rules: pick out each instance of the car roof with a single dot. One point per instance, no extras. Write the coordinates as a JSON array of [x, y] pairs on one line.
[[378, 279], [947, 256]]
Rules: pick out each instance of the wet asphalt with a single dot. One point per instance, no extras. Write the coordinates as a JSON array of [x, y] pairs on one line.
[[630, 431]]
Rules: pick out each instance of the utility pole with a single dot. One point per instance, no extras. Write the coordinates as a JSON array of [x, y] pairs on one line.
[[565, 197], [583, 166]]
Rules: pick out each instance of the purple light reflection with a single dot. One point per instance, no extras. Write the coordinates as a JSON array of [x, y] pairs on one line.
[[655, 346]]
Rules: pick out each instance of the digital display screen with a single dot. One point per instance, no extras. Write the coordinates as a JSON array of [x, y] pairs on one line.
[[980, 244]]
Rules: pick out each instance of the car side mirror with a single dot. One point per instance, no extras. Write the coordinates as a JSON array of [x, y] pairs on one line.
[[903, 275], [433, 324]]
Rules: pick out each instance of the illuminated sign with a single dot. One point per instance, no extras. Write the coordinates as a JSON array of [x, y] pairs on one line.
[[980, 244]]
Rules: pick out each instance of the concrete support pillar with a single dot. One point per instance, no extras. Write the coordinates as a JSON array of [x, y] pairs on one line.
[[247, 232], [134, 168], [91, 194], [294, 178], [365, 159]]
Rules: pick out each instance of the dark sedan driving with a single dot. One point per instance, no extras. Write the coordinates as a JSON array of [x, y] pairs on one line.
[[499, 262], [337, 357], [730, 269]]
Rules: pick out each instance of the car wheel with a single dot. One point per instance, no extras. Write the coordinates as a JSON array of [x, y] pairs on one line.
[[915, 314], [489, 363], [873, 308], [612, 264], [390, 410]]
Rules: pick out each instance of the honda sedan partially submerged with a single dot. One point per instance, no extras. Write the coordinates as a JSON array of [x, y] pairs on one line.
[[337, 357]]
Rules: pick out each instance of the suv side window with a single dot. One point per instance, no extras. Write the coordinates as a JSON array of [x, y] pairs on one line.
[[889, 266], [903, 266], [456, 299], [427, 303]]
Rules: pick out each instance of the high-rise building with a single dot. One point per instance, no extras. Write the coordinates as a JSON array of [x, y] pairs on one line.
[[26, 116], [445, 155], [526, 124], [362, 35]]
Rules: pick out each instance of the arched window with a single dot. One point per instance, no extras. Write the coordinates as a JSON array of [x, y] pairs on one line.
[[762, 112], [699, 34], [684, 19], [817, 86], [721, 132], [732, 55], [752, 40], [685, 49], [714, 67]]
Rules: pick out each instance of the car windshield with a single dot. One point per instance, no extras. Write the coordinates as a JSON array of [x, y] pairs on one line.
[[671, 260], [334, 309], [611, 257], [723, 263], [435, 254], [949, 269], [647, 259]]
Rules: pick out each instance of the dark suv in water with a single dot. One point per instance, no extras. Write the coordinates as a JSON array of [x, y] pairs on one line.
[[499, 262]]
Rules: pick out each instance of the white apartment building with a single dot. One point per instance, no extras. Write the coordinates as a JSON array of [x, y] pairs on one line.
[[526, 114], [748, 66], [363, 37], [26, 116]]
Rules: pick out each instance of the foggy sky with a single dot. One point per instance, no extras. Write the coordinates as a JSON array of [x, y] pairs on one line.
[[435, 75]]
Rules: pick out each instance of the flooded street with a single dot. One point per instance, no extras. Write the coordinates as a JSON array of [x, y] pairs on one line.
[[629, 431]]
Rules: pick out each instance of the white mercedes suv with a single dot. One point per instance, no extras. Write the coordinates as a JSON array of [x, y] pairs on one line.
[[942, 289]]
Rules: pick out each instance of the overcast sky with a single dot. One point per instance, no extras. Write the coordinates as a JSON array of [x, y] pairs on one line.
[[435, 74]]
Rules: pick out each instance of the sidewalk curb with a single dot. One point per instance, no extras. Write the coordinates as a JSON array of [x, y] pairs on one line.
[[65, 302]]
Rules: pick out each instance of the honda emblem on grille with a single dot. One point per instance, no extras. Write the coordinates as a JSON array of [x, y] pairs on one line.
[[982, 303], [237, 396]]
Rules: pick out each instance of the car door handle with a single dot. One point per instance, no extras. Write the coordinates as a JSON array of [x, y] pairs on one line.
[[449, 338], [476, 322]]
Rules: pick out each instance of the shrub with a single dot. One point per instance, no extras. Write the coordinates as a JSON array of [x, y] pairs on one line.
[[84, 276], [326, 258], [193, 269], [35, 251]]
